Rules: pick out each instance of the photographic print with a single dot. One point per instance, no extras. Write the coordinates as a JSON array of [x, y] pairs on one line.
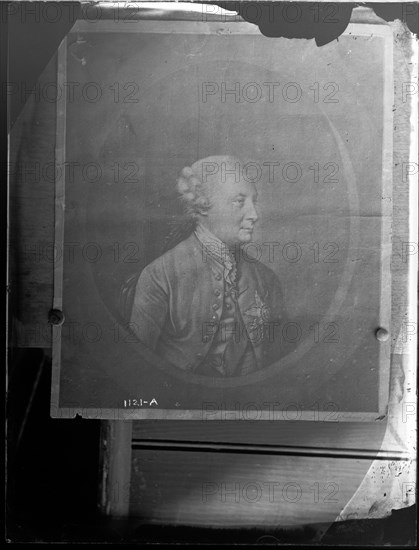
[[223, 221]]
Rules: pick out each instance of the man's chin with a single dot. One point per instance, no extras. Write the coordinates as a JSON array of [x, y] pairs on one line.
[[246, 237]]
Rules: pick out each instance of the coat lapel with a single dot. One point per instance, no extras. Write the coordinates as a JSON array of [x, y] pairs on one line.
[[253, 303]]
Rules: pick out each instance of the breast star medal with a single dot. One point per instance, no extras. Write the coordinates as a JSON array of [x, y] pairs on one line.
[[259, 313]]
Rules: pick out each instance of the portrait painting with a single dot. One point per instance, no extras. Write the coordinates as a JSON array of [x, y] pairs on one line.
[[223, 222]]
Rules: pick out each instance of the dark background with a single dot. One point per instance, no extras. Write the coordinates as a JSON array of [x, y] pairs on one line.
[[52, 470]]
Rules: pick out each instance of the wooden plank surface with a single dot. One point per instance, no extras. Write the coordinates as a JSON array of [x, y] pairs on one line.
[[355, 436], [32, 194], [230, 490], [115, 467]]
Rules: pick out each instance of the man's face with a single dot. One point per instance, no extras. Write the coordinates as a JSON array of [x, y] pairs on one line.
[[233, 213]]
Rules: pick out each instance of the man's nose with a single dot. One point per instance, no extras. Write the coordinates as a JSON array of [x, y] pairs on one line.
[[252, 213]]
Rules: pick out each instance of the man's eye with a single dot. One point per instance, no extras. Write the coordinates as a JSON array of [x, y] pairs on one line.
[[240, 202]]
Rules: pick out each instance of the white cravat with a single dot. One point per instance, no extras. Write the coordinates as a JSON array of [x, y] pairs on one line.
[[219, 251]]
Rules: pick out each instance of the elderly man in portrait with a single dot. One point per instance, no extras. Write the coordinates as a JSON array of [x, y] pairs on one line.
[[205, 306]]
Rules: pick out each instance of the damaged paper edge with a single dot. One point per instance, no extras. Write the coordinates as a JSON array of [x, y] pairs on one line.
[[390, 484]]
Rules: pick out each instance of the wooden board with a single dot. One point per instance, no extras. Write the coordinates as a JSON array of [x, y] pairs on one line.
[[32, 196], [230, 490], [349, 438]]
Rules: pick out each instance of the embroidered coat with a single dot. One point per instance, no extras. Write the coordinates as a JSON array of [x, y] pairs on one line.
[[179, 300]]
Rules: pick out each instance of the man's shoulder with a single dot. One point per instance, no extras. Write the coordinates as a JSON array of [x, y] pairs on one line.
[[180, 257]]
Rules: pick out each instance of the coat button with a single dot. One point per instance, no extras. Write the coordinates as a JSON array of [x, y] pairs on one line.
[[218, 277], [217, 291], [215, 306], [214, 317]]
